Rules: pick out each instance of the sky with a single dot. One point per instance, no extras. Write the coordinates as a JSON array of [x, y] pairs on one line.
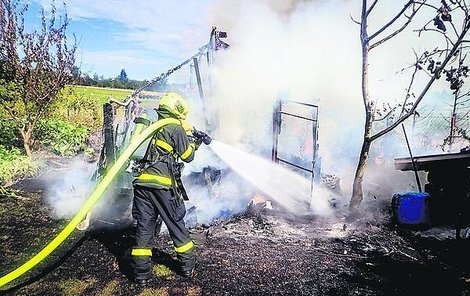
[[143, 37]]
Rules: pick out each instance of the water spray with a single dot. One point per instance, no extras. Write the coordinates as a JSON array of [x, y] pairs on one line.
[[287, 188]]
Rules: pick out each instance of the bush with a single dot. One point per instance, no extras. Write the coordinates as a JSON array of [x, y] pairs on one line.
[[14, 165], [63, 137], [83, 106], [10, 136], [79, 108]]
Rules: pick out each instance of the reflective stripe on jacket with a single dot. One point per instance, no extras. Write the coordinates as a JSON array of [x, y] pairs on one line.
[[170, 143]]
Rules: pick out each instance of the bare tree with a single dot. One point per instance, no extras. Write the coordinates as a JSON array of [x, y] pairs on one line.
[[442, 60], [34, 66], [459, 119]]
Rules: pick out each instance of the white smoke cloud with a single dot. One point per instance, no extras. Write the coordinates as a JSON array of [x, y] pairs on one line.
[[68, 190], [309, 51], [302, 56]]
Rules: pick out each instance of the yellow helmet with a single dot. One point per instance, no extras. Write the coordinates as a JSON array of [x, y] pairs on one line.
[[175, 104]]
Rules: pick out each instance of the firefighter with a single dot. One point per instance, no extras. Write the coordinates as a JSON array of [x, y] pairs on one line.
[[158, 190]]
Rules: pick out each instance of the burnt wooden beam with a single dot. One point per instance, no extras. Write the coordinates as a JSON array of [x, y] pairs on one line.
[[109, 139]]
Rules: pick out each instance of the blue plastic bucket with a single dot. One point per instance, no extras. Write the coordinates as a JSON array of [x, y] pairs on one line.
[[411, 207]]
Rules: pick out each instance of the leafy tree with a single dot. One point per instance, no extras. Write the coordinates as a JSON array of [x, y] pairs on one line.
[[451, 21], [35, 65]]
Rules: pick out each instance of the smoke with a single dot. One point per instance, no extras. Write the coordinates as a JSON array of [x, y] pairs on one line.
[[67, 190], [228, 197], [310, 51], [304, 55]]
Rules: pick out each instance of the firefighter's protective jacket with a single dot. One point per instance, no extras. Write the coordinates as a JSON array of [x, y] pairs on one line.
[[168, 144]]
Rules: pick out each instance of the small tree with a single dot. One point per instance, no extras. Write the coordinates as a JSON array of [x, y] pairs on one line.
[[35, 65], [442, 60], [459, 122]]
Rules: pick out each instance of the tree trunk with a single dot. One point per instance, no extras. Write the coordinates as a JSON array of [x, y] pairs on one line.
[[26, 134], [357, 194], [27, 144]]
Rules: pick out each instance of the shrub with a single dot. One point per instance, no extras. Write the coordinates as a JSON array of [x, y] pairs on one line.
[[14, 165], [79, 108], [10, 135], [63, 137], [83, 106]]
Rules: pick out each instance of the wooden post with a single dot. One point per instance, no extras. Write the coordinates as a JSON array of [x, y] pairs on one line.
[[109, 145], [276, 130], [201, 90]]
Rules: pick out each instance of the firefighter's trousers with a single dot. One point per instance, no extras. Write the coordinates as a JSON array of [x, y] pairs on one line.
[[148, 204]]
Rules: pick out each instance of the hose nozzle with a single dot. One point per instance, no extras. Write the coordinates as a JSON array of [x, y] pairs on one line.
[[202, 137]]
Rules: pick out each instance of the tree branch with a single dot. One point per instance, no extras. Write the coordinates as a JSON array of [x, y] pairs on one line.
[[371, 7], [410, 18], [383, 117], [427, 4], [393, 20], [426, 88], [424, 29], [354, 21], [409, 89]]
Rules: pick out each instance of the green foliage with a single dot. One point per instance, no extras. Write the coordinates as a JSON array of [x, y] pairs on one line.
[[35, 65], [10, 135], [8, 193], [14, 165], [77, 112], [8, 90], [63, 137]]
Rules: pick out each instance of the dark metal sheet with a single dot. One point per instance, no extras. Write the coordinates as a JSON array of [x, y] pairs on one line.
[[427, 162]]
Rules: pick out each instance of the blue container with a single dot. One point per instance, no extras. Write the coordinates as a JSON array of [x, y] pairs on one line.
[[411, 208]]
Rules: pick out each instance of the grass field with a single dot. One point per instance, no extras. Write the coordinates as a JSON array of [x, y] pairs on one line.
[[100, 93]]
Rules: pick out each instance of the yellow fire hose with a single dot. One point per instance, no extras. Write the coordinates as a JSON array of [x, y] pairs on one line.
[[89, 204]]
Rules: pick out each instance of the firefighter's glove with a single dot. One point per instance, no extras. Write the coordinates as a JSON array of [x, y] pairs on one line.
[[195, 141], [202, 137]]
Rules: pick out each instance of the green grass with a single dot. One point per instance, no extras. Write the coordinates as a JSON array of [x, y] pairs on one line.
[[162, 271], [154, 292], [101, 93], [73, 287], [110, 289]]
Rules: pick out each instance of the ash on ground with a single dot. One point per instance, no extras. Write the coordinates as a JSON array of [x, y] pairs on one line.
[[262, 251]]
